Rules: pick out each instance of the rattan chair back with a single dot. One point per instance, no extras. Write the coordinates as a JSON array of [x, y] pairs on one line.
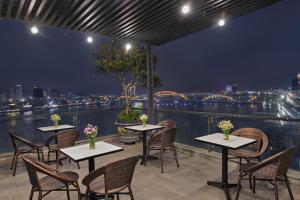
[[67, 138], [262, 141], [119, 173], [284, 160], [168, 137]]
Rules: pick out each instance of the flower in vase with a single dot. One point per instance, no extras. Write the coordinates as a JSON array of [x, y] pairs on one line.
[[144, 118], [90, 130]]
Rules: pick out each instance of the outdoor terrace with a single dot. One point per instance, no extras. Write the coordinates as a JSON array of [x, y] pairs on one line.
[[186, 182]]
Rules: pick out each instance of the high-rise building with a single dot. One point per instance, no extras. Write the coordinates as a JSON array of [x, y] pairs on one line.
[[37, 92], [18, 92], [234, 88], [296, 83], [54, 93]]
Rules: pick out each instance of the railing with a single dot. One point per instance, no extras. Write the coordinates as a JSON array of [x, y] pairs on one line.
[[282, 132], [26, 125]]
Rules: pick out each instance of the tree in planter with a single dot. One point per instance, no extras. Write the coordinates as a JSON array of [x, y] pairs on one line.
[[130, 67]]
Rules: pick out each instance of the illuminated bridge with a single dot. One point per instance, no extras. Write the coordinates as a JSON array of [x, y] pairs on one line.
[[218, 97], [170, 93]]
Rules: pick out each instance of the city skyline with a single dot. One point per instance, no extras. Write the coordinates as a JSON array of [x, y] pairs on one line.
[[205, 61]]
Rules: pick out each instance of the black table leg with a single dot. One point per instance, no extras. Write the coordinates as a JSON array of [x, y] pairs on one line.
[[143, 157], [224, 185], [91, 164]]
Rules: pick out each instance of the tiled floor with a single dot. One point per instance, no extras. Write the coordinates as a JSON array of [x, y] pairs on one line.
[[187, 182]]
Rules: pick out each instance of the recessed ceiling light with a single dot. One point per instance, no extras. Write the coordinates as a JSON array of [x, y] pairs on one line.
[[221, 22], [185, 9], [128, 46], [34, 30], [89, 39]]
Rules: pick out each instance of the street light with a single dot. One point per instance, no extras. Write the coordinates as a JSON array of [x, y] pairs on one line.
[[34, 30]]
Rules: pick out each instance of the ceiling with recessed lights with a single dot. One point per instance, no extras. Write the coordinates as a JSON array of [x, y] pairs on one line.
[[149, 21]]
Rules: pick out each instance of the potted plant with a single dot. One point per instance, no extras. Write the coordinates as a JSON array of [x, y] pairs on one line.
[[130, 68]]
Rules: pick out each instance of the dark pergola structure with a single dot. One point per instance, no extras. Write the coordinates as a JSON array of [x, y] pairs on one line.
[[152, 22]]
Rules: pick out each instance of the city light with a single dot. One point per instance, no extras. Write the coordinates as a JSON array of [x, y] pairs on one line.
[[221, 22], [34, 30], [89, 39], [128, 46], [185, 9]]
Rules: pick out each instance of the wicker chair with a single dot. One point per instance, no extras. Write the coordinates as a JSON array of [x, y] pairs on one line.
[[253, 151], [111, 179], [273, 170], [66, 139], [161, 141], [51, 145], [23, 146], [168, 123], [53, 181]]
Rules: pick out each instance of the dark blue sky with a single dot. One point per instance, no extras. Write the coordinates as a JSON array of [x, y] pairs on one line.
[[258, 51]]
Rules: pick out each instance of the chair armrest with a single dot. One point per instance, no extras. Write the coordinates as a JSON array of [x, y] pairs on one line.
[[94, 174], [264, 163], [49, 140], [26, 142]]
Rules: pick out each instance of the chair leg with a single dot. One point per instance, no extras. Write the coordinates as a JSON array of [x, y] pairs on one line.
[[250, 181], [15, 164], [162, 160], [239, 187], [57, 159], [68, 192], [40, 195], [130, 193], [78, 190], [175, 155], [31, 194], [78, 166], [42, 153], [254, 184], [276, 190], [118, 196], [288, 187], [13, 161], [48, 159]]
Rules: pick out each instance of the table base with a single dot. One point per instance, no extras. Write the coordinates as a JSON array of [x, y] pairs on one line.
[[223, 186]]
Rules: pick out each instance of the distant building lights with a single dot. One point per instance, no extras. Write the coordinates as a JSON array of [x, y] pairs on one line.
[[128, 46], [89, 39], [221, 22], [185, 9], [34, 30]]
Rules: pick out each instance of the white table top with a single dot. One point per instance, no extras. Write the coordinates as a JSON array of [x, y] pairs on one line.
[[142, 128], [52, 128], [83, 152], [234, 142]]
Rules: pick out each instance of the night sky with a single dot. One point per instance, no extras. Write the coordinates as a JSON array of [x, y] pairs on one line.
[[257, 51]]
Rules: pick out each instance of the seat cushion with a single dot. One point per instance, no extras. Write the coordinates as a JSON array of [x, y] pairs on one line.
[[49, 183]]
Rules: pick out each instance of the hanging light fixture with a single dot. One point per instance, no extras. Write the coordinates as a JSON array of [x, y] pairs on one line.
[[185, 9]]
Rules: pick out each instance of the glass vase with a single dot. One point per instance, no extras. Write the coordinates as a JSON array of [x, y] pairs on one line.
[[55, 124], [226, 135], [92, 142], [144, 124]]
